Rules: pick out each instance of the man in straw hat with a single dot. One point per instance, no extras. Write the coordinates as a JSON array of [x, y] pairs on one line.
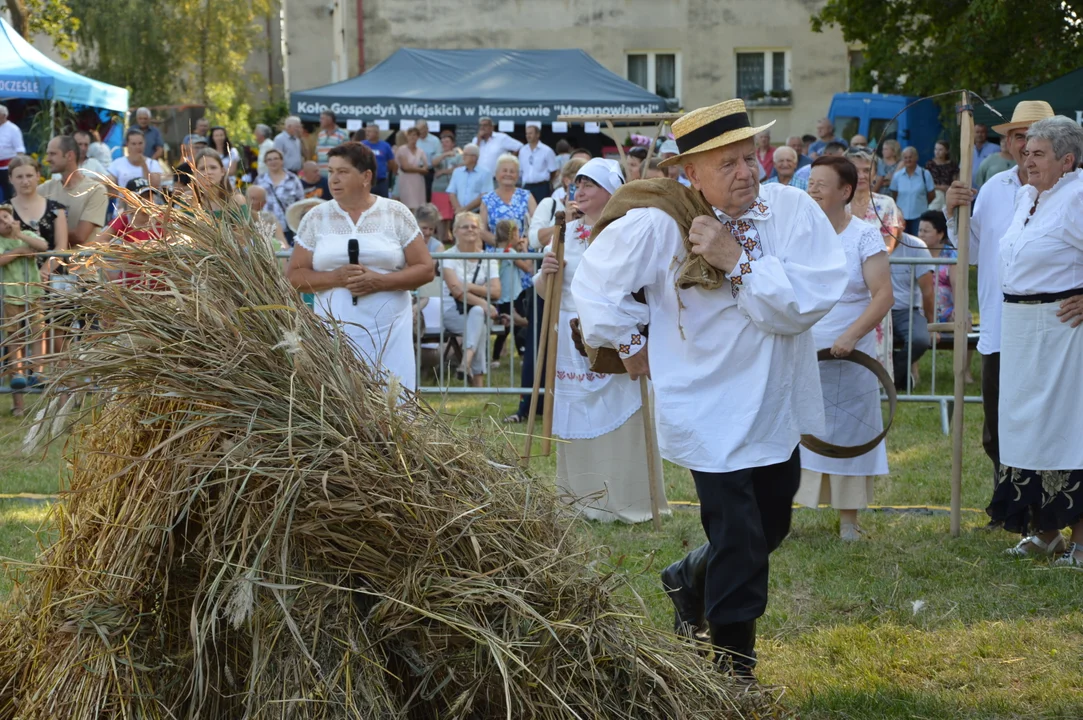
[[992, 216], [731, 356]]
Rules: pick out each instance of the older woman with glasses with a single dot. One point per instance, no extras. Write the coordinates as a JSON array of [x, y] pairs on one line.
[[851, 394], [1041, 354], [471, 294], [880, 211]]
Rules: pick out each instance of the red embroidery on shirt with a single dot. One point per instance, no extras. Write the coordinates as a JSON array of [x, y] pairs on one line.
[[580, 377]]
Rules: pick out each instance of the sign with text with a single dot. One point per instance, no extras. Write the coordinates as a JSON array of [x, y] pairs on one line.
[[464, 113]]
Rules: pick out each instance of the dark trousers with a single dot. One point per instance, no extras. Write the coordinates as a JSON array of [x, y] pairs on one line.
[[990, 399], [903, 333], [380, 188], [532, 309], [429, 176], [912, 226], [746, 514], [5, 185], [540, 190]]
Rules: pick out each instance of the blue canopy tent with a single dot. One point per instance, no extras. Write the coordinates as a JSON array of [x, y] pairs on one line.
[[28, 74]]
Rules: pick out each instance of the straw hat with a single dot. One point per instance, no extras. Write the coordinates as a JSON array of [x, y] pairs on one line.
[[712, 127], [1026, 114], [295, 212]]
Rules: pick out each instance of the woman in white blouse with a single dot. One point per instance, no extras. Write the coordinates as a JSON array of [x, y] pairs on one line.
[[1041, 350], [602, 467], [543, 222], [471, 293], [851, 393], [371, 299]]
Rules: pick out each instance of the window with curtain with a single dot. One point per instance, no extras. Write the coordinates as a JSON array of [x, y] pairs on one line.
[[656, 71], [637, 70], [778, 71], [665, 75], [750, 74], [762, 72]]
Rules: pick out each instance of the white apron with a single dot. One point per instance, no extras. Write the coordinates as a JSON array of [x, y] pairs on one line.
[[1041, 389], [588, 404], [851, 400]]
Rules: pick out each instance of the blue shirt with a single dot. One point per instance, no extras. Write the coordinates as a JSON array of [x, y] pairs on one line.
[[817, 148], [468, 185], [152, 140], [383, 153], [911, 191], [800, 178], [518, 210]]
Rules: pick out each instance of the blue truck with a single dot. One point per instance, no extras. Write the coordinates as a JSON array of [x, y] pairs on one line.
[[869, 114]]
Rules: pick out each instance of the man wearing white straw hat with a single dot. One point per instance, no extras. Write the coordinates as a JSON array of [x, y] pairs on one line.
[[991, 218], [730, 305]]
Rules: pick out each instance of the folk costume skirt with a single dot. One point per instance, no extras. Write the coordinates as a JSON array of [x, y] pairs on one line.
[[602, 467], [1040, 484]]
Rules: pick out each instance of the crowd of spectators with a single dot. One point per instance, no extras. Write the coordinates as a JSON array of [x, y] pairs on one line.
[[509, 190]]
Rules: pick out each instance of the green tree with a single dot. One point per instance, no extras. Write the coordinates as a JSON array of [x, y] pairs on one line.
[[924, 47], [172, 51], [49, 17]]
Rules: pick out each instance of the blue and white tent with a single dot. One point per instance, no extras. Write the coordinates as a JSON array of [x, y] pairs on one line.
[[28, 74]]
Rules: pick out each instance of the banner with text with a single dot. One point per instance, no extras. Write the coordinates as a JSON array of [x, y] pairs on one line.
[[464, 113]]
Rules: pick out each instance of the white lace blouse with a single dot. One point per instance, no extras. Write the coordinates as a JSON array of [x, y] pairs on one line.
[[383, 232], [860, 241]]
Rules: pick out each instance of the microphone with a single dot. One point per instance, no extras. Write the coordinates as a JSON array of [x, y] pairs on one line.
[[352, 251]]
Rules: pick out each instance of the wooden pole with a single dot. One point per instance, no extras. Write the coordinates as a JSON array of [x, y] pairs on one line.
[[616, 139], [962, 312], [543, 343], [552, 297], [530, 421], [652, 450]]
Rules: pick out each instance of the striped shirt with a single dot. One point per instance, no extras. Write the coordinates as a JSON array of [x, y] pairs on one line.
[[325, 142]]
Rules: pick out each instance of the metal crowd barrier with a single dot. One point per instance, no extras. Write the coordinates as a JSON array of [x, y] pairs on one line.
[[437, 352], [944, 401], [446, 343]]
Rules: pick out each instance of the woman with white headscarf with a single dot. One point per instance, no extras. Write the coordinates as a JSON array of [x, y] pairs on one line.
[[601, 465]]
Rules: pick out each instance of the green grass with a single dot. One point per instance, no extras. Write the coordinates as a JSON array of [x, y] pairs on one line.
[[994, 638]]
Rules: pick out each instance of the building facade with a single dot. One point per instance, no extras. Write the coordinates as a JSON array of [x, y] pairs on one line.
[[695, 51]]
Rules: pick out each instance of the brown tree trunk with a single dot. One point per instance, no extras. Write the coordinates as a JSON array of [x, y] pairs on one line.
[[20, 17]]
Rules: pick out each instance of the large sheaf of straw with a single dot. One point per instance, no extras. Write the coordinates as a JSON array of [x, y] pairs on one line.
[[257, 528]]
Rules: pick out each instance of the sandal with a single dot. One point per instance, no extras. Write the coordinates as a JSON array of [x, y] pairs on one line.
[[1069, 558], [1023, 548]]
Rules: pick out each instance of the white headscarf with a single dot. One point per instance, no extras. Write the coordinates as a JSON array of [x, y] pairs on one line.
[[606, 174]]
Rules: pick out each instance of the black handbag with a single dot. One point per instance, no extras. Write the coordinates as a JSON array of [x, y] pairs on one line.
[[460, 304]]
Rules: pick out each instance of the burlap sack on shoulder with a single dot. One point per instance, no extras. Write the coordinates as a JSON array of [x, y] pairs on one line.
[[681, 203]]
